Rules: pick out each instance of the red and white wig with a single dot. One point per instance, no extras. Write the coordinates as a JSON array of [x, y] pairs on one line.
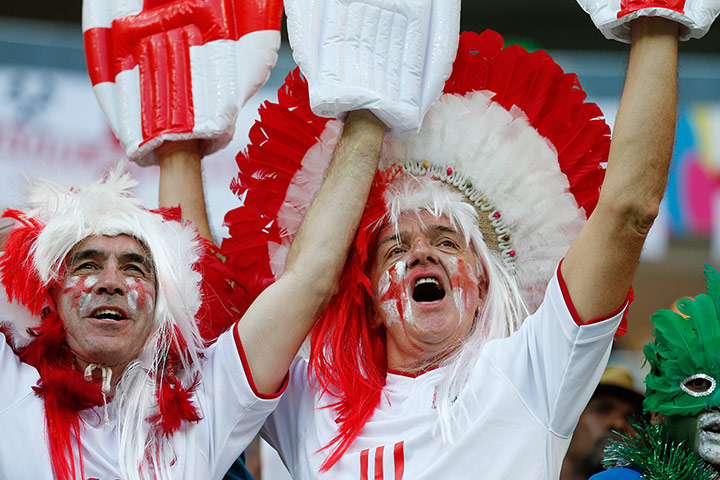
[[152, 398], [511, 154]]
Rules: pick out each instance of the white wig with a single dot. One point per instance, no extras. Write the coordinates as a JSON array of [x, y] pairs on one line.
[[107, 208]]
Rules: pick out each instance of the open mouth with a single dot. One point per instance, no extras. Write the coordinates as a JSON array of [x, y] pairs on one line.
[[428, 289], [108, 314], [712, 428]]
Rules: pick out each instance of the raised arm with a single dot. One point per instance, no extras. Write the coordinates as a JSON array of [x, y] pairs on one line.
[[600, 264], [181, 183], [276, 324]]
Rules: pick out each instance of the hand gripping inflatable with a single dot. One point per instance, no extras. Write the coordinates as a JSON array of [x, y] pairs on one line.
[[613, 17], [389, 56], [178, 69]]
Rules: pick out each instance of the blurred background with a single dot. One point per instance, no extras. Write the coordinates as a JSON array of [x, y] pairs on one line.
[[50, 123]]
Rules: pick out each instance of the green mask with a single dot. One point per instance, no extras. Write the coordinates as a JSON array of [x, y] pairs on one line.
[[685, 355]]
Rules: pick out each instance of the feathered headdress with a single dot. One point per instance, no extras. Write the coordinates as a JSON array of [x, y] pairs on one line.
[[512, 132], [161, 379], [684, 357]]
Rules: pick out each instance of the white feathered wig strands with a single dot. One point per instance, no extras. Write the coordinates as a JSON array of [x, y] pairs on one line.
[[64, 217]]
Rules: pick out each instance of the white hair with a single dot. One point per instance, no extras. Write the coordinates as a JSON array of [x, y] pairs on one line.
[[107, 208], [503, 309]]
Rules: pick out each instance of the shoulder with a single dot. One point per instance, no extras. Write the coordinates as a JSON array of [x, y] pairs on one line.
[[618, 473]]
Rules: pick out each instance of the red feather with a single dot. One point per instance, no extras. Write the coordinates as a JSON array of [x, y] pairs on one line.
[[174, 406], [18, 274], [278, 142], [224, 298]]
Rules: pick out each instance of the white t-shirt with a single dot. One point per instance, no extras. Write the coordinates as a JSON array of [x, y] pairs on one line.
[[232, 414], [525, 396]]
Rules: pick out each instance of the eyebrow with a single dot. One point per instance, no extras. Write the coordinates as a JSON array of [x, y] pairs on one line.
[[395, 238], [442, 228], [85, 254], [130, 257]]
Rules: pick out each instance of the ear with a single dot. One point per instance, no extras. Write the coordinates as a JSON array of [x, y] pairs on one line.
[[374, 320], [656, 418], [483, 288]]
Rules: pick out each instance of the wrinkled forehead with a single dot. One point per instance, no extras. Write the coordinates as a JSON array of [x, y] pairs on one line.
[[428, 219]]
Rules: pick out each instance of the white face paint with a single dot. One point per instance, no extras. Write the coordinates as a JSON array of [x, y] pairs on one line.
[[397, 307], [91, 280], [389, 308], [132, 299], [708, 442], [84, 298], [383, 284], [150, 302], [457, 291]]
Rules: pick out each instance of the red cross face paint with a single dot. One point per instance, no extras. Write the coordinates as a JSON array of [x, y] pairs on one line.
[[427, 291], [106, 299]]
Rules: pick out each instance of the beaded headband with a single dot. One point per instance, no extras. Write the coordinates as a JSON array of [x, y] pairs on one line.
[[495, 233]]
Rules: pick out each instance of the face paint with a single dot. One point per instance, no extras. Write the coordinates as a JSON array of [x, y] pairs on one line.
[[79, 291], [71, 282], [464, 287], [394, 299], [138, 292], [132, 299]]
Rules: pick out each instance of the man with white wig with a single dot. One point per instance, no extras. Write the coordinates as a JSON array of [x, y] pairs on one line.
[[490, 273]]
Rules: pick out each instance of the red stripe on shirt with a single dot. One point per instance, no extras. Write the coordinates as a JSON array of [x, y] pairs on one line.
[[399, 456], [364, 464], [248, 373], [379, 463], [571, 307]]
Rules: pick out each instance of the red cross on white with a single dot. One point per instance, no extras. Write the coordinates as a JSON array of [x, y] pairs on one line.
[[178, 69]]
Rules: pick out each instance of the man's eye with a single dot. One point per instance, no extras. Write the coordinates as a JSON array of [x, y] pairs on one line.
[[135, 269], [698, 385], [85, 266], [448, 244], [398, 250]]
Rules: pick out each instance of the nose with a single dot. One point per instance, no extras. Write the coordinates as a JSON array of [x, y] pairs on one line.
[[421, 253], [110, 281], [619, 422]]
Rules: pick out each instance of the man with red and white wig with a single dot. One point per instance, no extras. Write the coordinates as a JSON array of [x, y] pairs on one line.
[[490, 273]]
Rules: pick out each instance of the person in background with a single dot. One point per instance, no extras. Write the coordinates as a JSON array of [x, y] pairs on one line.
[[610, 410], [682, 439]]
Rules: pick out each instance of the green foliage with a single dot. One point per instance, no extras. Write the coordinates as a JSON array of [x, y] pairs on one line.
[[649, 451]]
